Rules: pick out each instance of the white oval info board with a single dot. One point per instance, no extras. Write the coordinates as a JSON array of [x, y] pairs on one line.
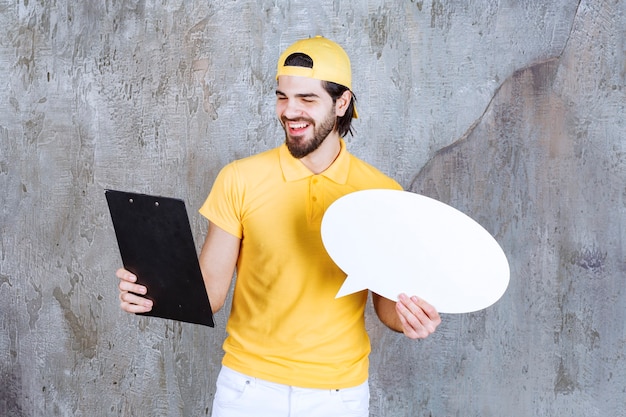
[[394, 242]]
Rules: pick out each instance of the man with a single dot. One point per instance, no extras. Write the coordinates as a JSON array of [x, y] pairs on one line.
[[292, 348]]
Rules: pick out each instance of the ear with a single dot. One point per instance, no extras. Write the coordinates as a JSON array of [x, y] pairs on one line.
[[342, 103]]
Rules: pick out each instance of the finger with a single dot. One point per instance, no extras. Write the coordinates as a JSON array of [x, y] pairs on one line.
[[126, 286], [131, 298], [125, 275], [419, 318], [134, 303], [412, 327], [134, 308], [421, 309], [428, 309]]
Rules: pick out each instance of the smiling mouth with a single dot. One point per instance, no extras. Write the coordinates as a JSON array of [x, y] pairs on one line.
[[296, 127]]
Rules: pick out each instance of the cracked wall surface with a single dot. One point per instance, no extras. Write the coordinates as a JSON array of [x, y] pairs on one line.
[[513, 112]]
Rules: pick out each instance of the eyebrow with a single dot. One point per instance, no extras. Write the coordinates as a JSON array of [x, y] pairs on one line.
[[301, 95]]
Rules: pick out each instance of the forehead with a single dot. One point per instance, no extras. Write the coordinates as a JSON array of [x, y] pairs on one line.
[[290, 84]]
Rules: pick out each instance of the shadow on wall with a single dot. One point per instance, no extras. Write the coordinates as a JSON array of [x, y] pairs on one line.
[[536, 175]]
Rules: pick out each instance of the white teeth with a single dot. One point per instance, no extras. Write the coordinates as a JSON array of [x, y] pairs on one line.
[[298, 125]]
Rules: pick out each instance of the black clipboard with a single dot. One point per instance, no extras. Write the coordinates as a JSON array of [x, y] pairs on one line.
[[156, 244]]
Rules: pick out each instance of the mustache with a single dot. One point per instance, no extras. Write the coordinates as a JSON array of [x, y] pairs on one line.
[[284, 120]]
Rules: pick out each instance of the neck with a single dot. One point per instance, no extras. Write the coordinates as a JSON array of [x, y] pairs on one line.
[[320, 159]]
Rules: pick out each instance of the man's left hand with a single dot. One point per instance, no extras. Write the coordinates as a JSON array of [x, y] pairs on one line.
[[419, 319]]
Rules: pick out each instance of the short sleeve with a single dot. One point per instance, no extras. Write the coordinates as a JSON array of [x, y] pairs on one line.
[[223, 206]]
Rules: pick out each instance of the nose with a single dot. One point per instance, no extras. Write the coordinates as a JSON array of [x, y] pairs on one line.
[[288, 108]]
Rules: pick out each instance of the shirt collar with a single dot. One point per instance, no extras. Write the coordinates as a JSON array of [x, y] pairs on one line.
[[294, 170]]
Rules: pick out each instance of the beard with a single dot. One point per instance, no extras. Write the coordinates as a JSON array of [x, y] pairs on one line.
[[299, 146]]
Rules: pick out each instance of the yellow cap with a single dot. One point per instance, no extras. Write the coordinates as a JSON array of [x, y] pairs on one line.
[[330, 62]]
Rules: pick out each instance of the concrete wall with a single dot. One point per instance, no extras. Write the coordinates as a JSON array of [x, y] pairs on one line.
[[510, 111]]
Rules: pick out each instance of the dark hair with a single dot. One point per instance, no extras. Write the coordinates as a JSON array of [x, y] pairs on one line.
[[344, 123], [299, 59]]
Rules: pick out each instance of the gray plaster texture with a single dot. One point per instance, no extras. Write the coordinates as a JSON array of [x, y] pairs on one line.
[[513, 112]]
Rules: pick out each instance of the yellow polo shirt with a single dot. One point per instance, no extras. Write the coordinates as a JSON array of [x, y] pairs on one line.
[[286, 325]]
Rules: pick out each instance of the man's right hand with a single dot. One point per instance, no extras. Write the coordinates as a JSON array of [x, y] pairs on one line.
[[129, 300]]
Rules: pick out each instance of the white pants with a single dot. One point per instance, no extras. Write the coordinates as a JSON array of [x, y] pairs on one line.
[[239, 395]]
